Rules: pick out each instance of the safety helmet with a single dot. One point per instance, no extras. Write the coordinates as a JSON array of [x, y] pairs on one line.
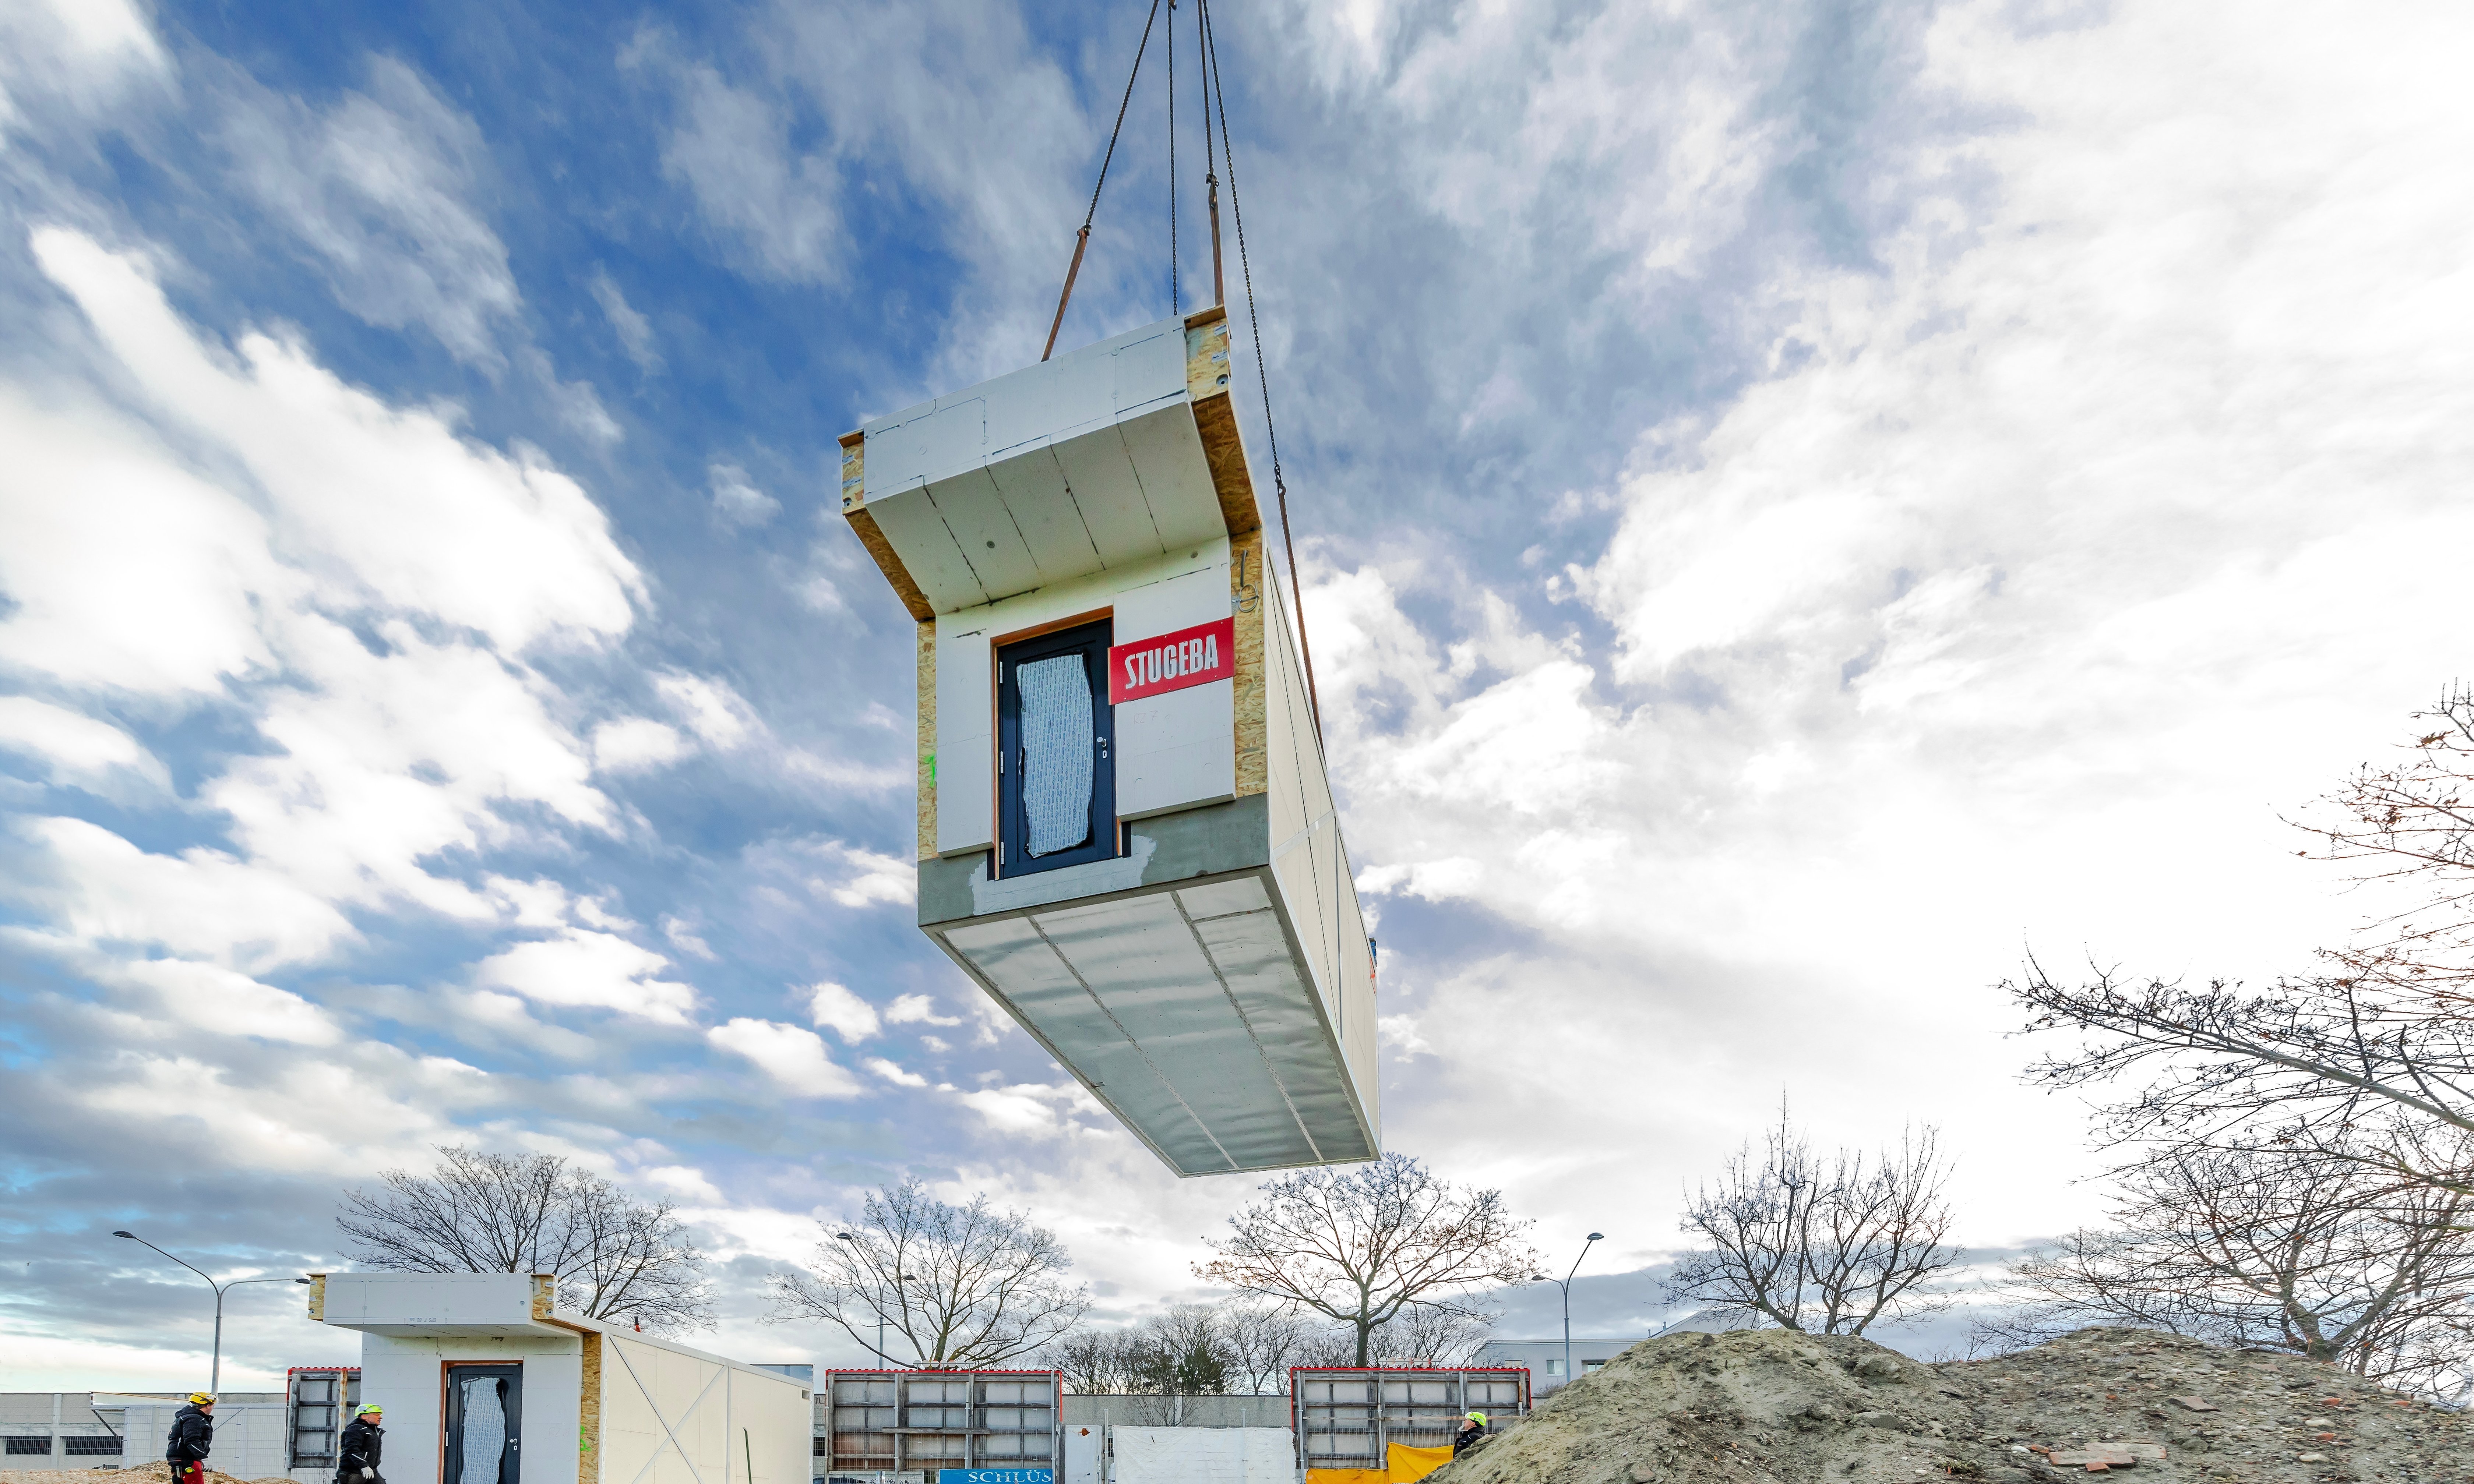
[[1478, 1418], [202, 1398], [368, 1409]]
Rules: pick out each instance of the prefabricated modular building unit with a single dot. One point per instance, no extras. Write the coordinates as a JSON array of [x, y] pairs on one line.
[[1127, 832], [486, 1381]]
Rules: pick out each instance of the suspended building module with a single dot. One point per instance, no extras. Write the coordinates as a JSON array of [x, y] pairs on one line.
[[1126, 830]]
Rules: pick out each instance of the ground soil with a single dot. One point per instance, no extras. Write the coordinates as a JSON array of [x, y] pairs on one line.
[[1772, 1404]]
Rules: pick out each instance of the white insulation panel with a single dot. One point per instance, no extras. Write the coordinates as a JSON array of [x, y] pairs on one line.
[[1205, 1455]]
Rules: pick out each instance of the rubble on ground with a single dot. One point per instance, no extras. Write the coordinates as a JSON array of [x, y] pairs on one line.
[[2130, 1404]]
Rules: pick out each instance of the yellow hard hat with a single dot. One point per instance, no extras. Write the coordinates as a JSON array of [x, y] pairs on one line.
[[1478, 1418], [202, 1398]]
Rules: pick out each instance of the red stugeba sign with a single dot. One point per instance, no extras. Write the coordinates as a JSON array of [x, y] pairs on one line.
[[1173, 661]]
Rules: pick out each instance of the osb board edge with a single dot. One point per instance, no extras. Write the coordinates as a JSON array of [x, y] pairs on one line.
[[588, 1452], [1215, 418], [1246, 603], [927, 739]]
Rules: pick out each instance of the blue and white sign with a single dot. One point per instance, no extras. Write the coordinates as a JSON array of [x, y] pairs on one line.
[[996, 1476]]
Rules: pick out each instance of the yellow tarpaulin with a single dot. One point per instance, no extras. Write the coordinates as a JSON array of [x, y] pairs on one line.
[[1408, 1465]]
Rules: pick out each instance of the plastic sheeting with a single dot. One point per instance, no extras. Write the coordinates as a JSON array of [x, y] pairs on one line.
[[1205, 1455], [1056, 752]]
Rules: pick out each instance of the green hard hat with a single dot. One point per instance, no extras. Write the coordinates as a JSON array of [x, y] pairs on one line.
[[368, 1407], [1478, 1418]]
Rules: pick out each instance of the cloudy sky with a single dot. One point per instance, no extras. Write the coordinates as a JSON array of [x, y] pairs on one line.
[[1801, 504]]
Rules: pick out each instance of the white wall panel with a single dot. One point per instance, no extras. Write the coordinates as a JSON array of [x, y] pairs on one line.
[[1177, 750], [965, 727]]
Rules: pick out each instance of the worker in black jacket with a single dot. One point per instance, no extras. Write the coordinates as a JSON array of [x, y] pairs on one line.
[[191, 1438], [1470, 1434], [356, 1456]]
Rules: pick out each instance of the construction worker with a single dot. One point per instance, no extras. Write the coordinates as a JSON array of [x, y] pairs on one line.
[[356, 1456], [1472, 1427], [191, 1438]]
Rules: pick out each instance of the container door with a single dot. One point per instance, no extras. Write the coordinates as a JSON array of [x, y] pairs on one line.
[[485, 1408], [1056, 777]]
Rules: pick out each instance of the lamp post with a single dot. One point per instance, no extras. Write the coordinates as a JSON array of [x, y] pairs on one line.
[[899, 1278], [1565, 1282], [215, 1371]]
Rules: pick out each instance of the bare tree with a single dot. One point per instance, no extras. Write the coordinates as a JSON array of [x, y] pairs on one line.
[[1266, 1340], [1094, 1362], [1362, 1245], [960, 1285], [2372, 1061], [2274, 1247], [614, 1257], [1425, 1337], [1830, 1246], [1181, 1352]]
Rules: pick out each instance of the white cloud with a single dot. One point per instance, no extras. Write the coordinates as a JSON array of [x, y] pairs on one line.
[[591, 969], [682, 1179], [893, 1073], [711, 710], [848, 1016], [878, 879], [681, 935], [634, 744], [792, 1055], [74, 749], [379, 188], [634, 331], [203, 903], [731, 149], [394, 500], [916, 1010], [736, 501], [148, 580], [86, 54]]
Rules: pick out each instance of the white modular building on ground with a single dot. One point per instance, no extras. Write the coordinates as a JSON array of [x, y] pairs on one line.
[[486, 1381]]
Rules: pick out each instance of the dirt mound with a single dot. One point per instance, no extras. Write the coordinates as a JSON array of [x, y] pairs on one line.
[[1761, 1404]]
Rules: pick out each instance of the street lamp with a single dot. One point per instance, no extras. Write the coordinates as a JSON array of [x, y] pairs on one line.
[[1565, 1282], [899, 1280], [215, 1373]]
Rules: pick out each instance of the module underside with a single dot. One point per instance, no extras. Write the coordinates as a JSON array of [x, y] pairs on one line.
[[1182, 1008]]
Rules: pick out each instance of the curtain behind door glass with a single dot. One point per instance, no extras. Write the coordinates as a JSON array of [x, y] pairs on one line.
[[1056, 745], [485, 1430]]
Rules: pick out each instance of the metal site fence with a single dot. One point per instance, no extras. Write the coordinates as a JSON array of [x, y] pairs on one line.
[[907, 1425], [1347, 1418]]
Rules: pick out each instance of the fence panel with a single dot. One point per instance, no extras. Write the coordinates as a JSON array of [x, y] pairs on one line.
[[1346, 1419], [904, 1426]]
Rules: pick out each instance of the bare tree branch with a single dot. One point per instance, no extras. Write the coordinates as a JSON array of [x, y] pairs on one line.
[[957, 1285], [614, 1257], [1360, 1246], [2277, 1247], [1828, 1246]]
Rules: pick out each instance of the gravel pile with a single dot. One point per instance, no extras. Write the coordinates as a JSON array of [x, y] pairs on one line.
[[1763, 1405]]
